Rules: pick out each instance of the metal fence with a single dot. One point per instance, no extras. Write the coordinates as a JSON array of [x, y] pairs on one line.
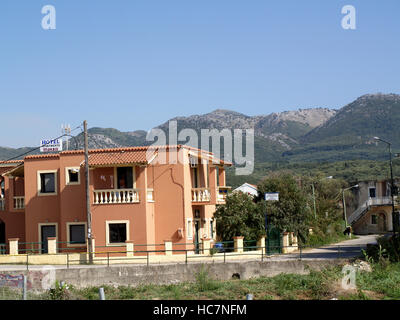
[[227, 253], [224, 252]]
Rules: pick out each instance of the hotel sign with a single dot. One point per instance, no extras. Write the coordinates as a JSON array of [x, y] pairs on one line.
[[50, 145]]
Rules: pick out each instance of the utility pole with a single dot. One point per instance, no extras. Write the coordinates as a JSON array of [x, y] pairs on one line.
[[89, 216], [344, 203], [392, 187]]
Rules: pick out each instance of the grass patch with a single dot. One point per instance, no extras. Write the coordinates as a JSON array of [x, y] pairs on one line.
[[382, 283]]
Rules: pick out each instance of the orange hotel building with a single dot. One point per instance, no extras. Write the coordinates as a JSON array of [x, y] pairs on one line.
[[169, 196]]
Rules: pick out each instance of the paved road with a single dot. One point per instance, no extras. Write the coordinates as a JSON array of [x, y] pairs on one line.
[[344, 250]]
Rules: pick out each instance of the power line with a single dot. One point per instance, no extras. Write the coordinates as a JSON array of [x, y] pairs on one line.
[[34, 149]]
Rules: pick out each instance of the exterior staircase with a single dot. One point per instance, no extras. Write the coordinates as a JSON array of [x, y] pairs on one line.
[[365, 207]]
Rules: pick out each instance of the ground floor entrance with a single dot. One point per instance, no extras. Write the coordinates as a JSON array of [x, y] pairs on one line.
[[46, 231], [274, 240]]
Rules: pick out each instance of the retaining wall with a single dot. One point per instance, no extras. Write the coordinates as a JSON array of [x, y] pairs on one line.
[[134, 275]]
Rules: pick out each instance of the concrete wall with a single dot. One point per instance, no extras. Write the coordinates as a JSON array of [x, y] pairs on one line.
[[172, 273]]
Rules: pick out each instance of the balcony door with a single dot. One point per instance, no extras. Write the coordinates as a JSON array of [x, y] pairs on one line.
[[125, 178], [372, 192], [195, 177]]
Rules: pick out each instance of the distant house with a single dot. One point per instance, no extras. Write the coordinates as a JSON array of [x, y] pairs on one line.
[[248, 188], [374, 208]]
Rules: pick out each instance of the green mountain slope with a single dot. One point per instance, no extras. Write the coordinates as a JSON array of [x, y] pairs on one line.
[[349, 134]]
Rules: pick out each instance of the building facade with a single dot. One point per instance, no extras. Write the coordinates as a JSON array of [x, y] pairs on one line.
[[247, 188], [147, 195], [373, 212]]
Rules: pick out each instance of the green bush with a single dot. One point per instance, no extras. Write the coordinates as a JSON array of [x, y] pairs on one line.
[[204, 282], [387, 248], [60, 291]]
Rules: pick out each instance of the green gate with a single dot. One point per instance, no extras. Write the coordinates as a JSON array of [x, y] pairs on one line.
[[274, 240]]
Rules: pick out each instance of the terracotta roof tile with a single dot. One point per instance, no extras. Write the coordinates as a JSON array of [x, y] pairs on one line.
[[117, 157], [6, 166]]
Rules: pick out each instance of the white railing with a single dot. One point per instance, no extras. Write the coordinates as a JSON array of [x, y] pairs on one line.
[[379, 201], [201, 195], [19, 203], [150, 195], [111, 196], [2, 204]]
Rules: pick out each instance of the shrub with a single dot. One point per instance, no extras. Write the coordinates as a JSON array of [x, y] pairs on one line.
[[387, 248], [60, 291], [204, 282]]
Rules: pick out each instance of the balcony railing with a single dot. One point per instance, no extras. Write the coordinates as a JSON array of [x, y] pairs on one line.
[[380, 201], [19, 203], [115, 196], [150, 195], [222, 193], [201, 195], [2, 204]]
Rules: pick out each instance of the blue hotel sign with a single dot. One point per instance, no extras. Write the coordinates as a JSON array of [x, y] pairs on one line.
[[50, 145]]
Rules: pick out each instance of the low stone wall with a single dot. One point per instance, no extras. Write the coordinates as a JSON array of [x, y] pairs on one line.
[[134, 275]]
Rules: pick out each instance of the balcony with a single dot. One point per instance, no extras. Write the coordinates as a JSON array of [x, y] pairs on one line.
[[380, 201], [201, 195], [222, 192], [19, 203], [116, 196]]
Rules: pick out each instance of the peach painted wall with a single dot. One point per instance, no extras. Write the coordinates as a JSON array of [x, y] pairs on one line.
[[103, 178], [40, 209], [19, 187], [72, 196]]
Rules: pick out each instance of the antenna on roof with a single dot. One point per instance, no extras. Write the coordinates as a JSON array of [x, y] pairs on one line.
[[66, 131]]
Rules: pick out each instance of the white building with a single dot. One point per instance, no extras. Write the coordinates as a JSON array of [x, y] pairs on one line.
[[247, 188]]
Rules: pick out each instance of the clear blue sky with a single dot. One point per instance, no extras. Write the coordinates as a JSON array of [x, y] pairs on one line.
[[131, 64]]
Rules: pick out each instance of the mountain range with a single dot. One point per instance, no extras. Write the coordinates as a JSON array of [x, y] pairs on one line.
[[311, 134]]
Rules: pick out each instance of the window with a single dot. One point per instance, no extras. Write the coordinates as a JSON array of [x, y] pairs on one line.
[[47, 182], [189, 229], [117, 232], [77, 233], [372, 192], [374, 219], [125, 178], [72, 176], [211, 228]]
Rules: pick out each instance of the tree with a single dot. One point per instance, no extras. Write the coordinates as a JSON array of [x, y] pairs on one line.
[[292, 212], [239, 216]]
